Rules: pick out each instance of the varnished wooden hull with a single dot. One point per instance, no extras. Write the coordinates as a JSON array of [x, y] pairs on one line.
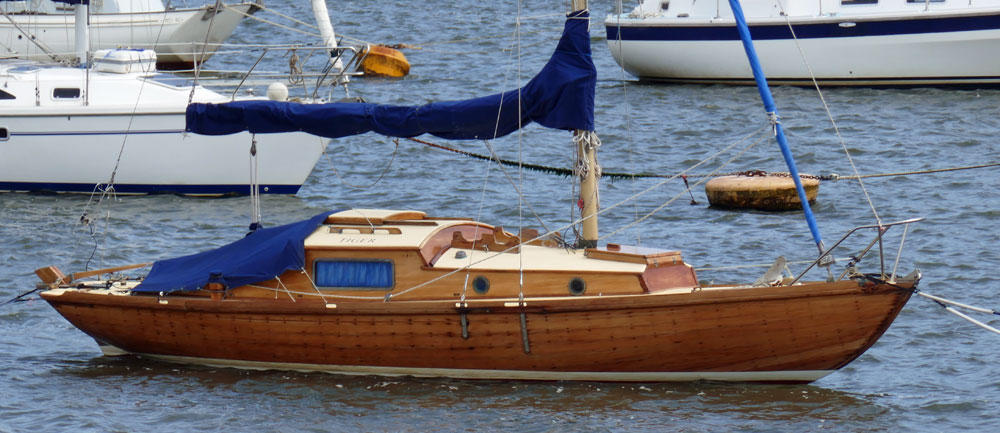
[[781, 334]]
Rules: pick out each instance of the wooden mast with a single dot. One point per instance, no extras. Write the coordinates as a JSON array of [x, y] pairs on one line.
[[588, 172]]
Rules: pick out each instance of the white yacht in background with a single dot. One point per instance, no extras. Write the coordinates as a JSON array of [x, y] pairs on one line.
[[114, 124], [843, 42], [43, 29], [120, 123]]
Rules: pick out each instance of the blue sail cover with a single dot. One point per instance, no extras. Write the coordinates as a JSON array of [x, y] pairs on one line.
[[561, 96], [261, 255]]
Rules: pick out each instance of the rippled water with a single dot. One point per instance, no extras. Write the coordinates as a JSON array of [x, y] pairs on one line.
[[931, 371]]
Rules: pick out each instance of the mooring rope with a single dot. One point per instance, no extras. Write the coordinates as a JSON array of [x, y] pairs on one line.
[[908, 173], [615, 176], [947, 304], [21, 297]]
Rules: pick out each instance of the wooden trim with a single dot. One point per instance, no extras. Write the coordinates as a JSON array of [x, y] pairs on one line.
[[359, 219], [50, 275], [78, 275], [366, 230], [618, 253]]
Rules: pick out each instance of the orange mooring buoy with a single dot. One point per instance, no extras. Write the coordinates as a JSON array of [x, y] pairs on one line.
[[381, 61], [763, 191]]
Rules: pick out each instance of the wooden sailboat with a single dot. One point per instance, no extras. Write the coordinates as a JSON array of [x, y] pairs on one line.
[[399, 292]]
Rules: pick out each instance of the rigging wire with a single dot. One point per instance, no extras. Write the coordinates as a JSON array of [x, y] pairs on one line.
[[385, 170], [628, 116], [107, 191], [198, 61], [628, 123], [829, 113], [520, 192], [568, 225], [766, 135]]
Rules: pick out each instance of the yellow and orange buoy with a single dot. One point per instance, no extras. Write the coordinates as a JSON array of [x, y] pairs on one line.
[[761, 191], [382, 61]]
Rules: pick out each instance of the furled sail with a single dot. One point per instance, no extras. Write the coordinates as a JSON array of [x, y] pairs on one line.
[[561, 96]]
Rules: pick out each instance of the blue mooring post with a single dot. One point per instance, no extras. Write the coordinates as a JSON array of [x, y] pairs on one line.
[[772, 111]]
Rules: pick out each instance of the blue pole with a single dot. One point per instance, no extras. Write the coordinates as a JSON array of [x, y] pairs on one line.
[[772, 111]]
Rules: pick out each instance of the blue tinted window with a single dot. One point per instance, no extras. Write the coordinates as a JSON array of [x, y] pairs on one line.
[[356, 274]]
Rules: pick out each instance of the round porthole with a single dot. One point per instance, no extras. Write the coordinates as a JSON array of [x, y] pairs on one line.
[[577, 286], [481, 285]]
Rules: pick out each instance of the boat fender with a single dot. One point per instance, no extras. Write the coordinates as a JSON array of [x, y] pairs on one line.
[[277, 91], [382, 61]]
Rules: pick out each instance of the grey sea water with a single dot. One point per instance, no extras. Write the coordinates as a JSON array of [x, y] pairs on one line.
[[931, 372]]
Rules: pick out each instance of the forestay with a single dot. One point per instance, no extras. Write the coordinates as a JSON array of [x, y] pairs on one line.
[[561, 96]]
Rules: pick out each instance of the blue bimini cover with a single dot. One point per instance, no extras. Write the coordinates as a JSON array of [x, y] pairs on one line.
[[561, 96], [260, 256]]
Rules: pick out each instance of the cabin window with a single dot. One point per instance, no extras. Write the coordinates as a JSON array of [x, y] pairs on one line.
[[354, 274], [66, 93], [481, 285], [5, 95], [577, 286], [858, 2], [4, 134]]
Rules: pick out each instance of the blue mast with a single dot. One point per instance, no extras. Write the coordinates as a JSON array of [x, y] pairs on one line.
[[772, 112]]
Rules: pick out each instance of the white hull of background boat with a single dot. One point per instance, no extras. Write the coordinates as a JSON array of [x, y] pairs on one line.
[[73, 153], [850, 47], [68, 129], [177, 36]]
